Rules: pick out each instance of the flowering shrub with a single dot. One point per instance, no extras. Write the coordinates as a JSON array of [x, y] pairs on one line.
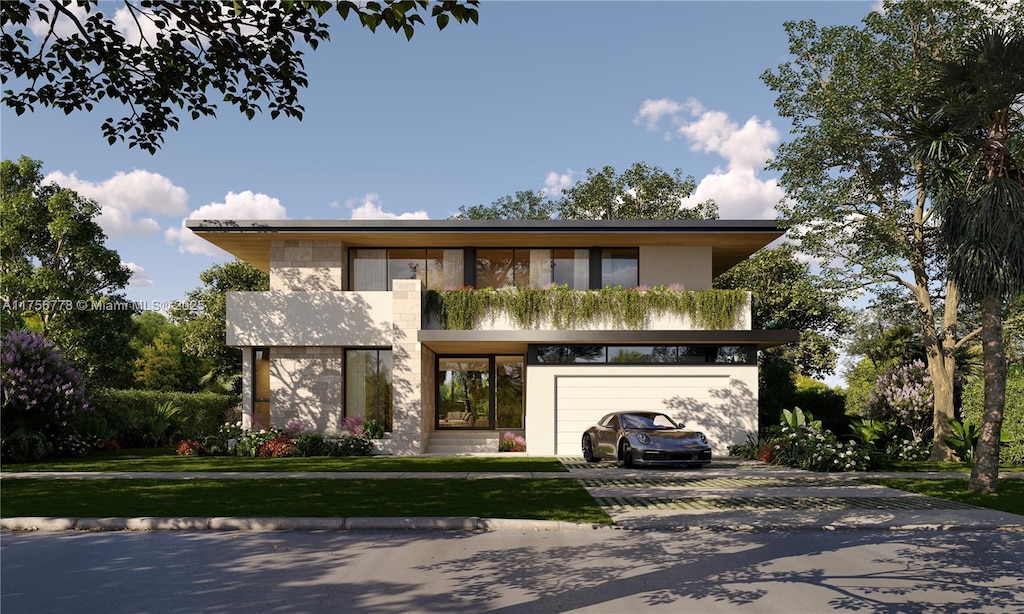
[[41, 390], [905, 395], [511, 442], [189, 447], [70, 443], [354, 424], [350, 445], [806, 447], [281, 446], [909, 449]]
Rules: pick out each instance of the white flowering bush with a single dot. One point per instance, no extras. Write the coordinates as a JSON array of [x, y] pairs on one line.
[[807, 447]]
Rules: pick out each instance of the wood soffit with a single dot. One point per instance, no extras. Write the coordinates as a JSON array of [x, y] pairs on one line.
[[732, 241]]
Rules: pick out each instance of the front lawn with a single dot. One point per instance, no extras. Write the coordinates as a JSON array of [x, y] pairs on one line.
[[1009, 497], [164, 459], [563, 500], [950, 467]]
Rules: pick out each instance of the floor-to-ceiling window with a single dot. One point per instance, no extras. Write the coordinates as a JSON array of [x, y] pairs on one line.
[[376, 269], [368, 385], [260, 388], [480, 392]]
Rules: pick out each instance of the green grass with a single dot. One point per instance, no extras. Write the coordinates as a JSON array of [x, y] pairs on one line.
[[1009, 496], [951, 467], [563, 500], [164, 459]]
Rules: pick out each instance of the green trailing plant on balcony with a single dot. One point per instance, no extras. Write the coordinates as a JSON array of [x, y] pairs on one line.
[[564, 308]]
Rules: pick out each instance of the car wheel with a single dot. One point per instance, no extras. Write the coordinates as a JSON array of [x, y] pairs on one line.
[[588, 450], [626, 454]]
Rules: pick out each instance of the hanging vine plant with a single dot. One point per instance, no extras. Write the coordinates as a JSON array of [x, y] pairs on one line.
[[564, 308]]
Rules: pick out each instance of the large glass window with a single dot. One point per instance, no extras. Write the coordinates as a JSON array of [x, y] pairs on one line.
[[368, 385], [642, 354], [620, 267], [260, 388], [464, 392], [532, 268], [375, 269], [508, 391]]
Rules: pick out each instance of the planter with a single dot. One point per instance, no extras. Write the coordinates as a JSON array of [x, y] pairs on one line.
[[382, 447]]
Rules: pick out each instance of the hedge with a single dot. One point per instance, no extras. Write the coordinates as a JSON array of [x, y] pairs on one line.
[[201, 412]]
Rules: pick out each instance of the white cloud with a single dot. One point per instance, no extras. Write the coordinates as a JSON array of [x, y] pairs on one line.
[[241, 206], [124, 196], [555, 183], [738, 191], [138, 277], [369, 207]]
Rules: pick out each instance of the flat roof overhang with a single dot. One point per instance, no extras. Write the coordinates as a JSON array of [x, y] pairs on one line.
[[731, 240], [516, 341]]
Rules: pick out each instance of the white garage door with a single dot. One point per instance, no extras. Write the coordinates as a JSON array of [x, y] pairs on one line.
[[580, 401]]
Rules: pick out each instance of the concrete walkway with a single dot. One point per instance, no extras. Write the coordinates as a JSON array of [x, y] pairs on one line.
[[730, 495]]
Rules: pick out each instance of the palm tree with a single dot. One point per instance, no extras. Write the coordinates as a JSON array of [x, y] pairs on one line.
[[971, 130]]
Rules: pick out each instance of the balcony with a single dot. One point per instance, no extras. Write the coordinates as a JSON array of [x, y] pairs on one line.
[[560, 308]]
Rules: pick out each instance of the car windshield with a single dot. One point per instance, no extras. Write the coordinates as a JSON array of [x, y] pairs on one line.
[[649, 422]]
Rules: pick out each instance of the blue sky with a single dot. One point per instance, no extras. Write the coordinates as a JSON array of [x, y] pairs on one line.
[[529, 99]]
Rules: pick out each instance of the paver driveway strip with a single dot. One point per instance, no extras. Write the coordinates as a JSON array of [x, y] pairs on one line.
[[732, 494]]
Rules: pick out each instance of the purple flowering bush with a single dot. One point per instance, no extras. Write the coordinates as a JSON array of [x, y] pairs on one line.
[[511, 442], [42, 392], [904, 394]]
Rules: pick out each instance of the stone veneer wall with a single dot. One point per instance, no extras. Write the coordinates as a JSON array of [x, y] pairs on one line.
[[429, 397], [407, 368], [307, 266], [307, 387]]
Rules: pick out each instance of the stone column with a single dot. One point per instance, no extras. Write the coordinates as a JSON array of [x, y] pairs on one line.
[[407, 432]]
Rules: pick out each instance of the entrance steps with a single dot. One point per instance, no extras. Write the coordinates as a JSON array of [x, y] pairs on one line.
[[462, 442]]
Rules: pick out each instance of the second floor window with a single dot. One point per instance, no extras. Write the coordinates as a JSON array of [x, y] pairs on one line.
[[532, 268], [376, 269]]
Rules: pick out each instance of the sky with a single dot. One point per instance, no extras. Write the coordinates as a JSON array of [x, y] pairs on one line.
[[530, 98]]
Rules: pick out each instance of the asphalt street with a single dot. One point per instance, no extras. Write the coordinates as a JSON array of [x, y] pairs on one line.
[[512, 571]]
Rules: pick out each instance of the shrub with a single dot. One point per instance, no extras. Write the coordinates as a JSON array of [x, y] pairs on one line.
[[279, 447], [354, 424], [350, 445], [189, 447], [24, 447], [904, 394], [199, 413], [1012, 431], [373, 429], [511, 442], [42, 391], [311, 444]]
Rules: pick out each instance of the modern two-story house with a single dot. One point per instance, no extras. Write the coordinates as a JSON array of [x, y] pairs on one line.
[[451, 333]]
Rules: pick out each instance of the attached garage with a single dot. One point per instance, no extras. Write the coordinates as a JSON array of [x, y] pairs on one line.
[[581, 400]]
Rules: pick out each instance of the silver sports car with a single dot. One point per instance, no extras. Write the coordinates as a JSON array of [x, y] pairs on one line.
[[645, 438]]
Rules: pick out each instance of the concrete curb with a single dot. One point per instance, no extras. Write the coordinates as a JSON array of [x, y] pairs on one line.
[[49, 524], [469, 524]]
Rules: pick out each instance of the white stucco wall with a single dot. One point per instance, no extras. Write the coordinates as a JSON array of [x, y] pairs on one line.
[[309, 318], [676, 264], [720, 400]]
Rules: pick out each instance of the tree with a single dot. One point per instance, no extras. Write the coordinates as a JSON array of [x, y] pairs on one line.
[[153, 56], [525, 205], [59, 278], [856, 198], [162, 365], [203, 314], [787, 296], [972, 130], [641, 192]]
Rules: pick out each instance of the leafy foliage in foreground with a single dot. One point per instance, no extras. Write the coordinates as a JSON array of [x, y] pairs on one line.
[[159, 59]]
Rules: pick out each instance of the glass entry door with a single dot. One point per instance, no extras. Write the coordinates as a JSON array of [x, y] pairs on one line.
[[480, 392], [464, 393]]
